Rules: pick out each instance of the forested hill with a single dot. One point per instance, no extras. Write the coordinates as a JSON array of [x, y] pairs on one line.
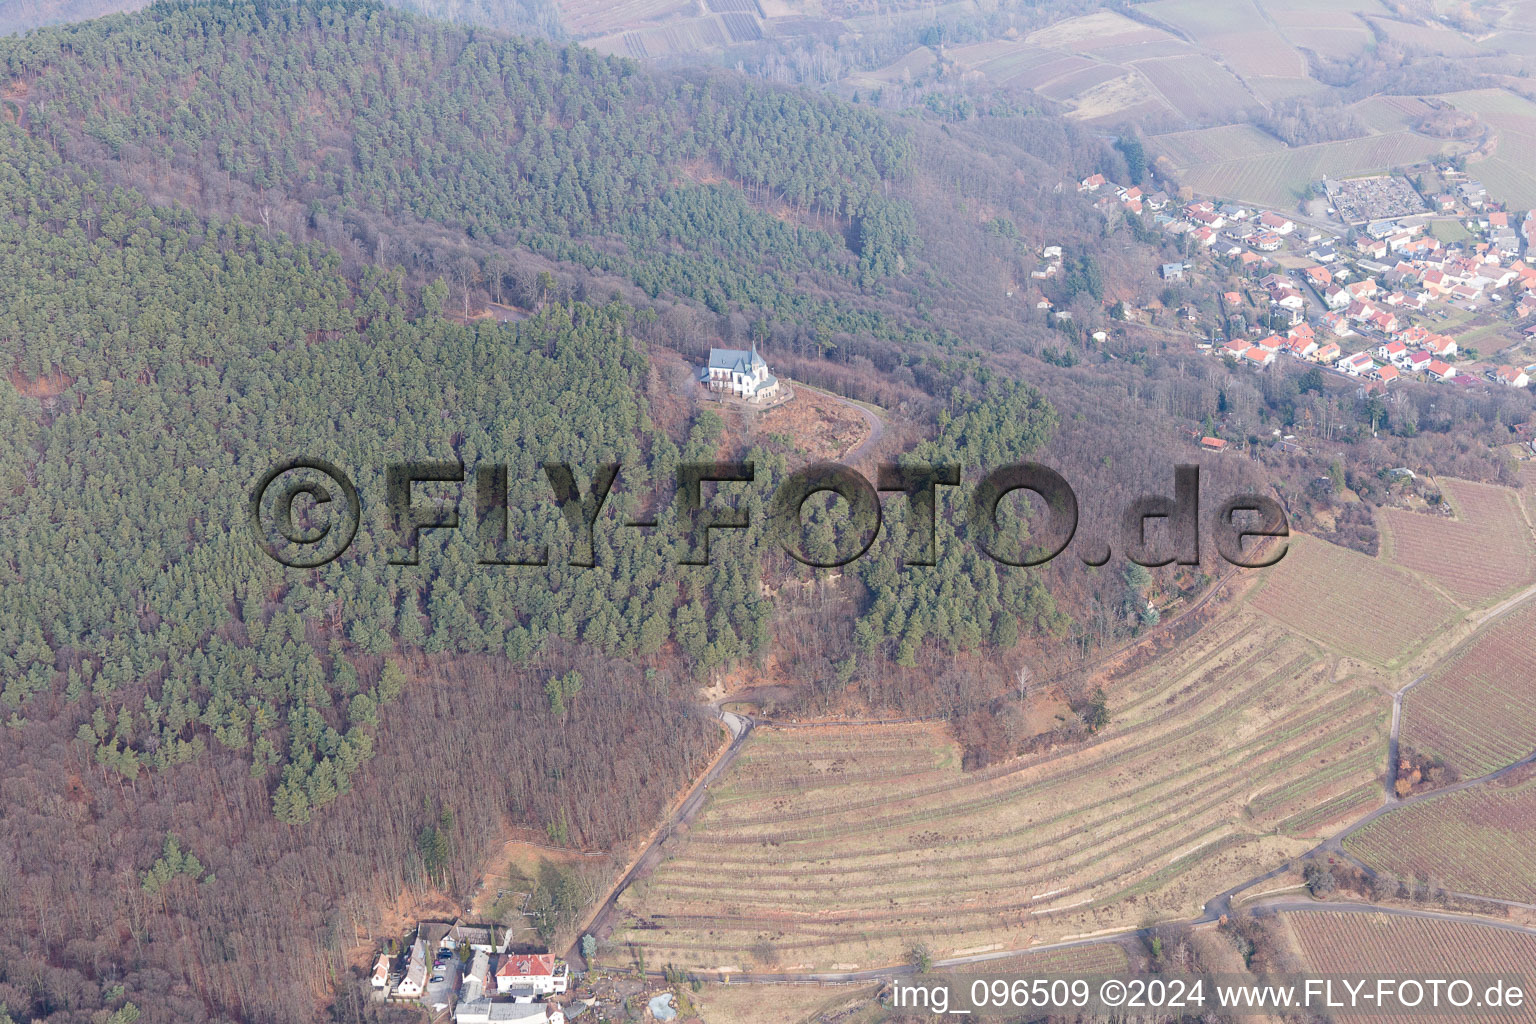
[[316, 188], [292, 112]]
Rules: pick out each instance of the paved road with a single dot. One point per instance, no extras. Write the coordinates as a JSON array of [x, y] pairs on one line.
[[876, 430], [740, 727]]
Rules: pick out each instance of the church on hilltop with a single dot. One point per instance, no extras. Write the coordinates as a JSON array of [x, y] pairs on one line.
[[741, 372]]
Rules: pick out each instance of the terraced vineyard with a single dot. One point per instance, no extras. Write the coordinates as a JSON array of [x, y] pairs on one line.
[[1356, 604], [1478, 710], [844, 846], [1475, 841], [1361, 944], [1482, 554]]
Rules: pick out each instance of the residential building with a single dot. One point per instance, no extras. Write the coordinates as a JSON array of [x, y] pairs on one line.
[[415, 981], [539, 973], [381, 971], [1512, 376], [1356, 364]]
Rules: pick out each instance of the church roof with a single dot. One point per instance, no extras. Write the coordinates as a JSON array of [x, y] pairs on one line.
[[735, 359]]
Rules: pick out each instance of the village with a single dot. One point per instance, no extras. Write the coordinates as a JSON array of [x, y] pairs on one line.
[[1384, 301]]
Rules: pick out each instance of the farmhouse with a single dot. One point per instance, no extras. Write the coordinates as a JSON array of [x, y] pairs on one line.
[[742, 373], [1213, 444]]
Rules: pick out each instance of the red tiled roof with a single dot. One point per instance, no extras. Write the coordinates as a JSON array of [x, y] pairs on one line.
[[527, 965]]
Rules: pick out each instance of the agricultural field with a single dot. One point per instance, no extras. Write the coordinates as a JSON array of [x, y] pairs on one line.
[[1429, 38], [1390, 113], [1510, 173], [845, 845], [595, 17], [1334, 30], [1102, 28], [1478, 710], [1216, 145], [1280, 179], [1358, 605], [1476, 841], [1197, 87], [1483, 554], [1200, 19], [1332, 942]]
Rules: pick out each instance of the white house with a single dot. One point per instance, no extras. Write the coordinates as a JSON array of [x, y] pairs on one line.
[[1512, 376], [381, 971], [743, 373], [415, 981], [1276, 223], [1356, 364], [539, 973]]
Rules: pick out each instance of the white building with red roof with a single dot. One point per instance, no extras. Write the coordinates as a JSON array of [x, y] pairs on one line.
[[537, 973]]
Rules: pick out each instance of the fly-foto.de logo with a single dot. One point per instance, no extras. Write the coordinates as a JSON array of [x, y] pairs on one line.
[[305, 513]]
